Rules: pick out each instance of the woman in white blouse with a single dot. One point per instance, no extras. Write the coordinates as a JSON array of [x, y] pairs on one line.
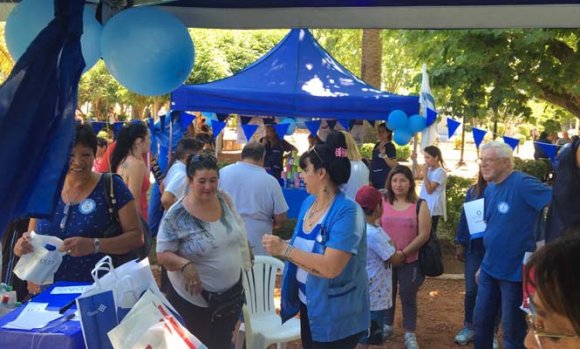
[[434, 184]]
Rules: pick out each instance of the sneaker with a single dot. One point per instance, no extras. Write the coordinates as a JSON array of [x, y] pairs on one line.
[[411, 341], [495, 342], [464, 336], [387, 332]]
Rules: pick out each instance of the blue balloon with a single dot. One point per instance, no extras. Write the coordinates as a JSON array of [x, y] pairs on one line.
[[148, 50], [292, 128], [30, 17], [417, 123], [397, 119], [402, 136]]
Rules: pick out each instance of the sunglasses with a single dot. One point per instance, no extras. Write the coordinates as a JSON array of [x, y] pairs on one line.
[[202, 157]]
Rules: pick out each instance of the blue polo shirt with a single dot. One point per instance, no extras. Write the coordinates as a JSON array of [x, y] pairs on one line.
[[511, 210], [338, 307]]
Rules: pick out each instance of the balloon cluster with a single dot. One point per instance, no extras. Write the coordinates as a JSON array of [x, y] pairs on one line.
[[404, 127], [147, 50]]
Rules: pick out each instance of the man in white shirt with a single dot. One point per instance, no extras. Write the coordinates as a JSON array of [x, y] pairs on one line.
[[257, 195]]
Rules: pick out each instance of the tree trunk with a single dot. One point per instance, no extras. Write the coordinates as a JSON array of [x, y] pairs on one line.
[[372, 53], [461, 161]]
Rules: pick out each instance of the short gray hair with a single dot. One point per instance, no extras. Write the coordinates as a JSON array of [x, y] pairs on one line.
[[501, 149], [253, 150]]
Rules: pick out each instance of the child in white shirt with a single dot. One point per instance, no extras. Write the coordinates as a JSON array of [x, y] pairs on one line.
[[434, 184], [381, 254]]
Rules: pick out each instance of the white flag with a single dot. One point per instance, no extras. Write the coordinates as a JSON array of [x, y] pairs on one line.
[[426, 100]]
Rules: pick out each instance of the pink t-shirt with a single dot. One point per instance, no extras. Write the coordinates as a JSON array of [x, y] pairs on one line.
[[401, 226]]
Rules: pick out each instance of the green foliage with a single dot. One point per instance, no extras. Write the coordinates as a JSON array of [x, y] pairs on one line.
[[537, 168], [403, 152], [366, 150], [525, 130], [455, 192], [285, 232], [551, 126]]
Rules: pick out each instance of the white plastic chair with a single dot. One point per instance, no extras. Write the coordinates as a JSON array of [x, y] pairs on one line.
[[263, 326]]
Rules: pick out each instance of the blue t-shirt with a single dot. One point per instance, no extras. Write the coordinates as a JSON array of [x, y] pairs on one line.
[[89, 218], [511, 210]]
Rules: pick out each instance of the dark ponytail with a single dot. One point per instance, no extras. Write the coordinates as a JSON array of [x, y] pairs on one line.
[[125, 140], [332, 156]]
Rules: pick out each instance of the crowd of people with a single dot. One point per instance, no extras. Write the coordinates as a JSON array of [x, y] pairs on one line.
[[355, 246]]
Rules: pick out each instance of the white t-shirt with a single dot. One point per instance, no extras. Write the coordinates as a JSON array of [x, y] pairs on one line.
[[257, 197], [359, 176], [215, 248], [436, 200], [380, 249], [176, 180]]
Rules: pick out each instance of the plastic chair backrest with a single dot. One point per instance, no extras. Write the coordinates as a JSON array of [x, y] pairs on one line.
[[259, 284]]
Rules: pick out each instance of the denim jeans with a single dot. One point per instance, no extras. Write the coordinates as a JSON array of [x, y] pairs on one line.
[[473, 258], [491, 294]]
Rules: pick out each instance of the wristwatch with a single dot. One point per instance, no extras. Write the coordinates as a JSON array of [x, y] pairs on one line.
[[383, 156], [97, 244]]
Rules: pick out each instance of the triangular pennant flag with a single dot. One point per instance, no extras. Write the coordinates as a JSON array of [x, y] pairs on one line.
[[512, 142], [249, 130], [431, 117], [478, 135], [186, 120], [452, 126], [222, 117], [281, 130], [117, 126], [151, 124], [313, 126], [549, 149], [245, 119], [98, 126], [217, 127], [331, 124], [344, 123]]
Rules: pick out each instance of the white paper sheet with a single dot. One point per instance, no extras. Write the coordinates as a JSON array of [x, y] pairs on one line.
[[474, 215], [69, 289], [33, 316]]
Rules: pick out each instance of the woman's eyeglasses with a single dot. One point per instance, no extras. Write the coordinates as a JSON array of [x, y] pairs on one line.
[[538, 331]]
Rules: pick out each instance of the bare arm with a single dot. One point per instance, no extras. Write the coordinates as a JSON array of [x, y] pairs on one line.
[[279, 220], [167, 200], [173, 262], [424, 230], [391, 162], [134, 174], [429, 185], [328, 265]]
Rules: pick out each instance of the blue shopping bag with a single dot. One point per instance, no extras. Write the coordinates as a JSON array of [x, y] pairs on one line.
[[98, 316]]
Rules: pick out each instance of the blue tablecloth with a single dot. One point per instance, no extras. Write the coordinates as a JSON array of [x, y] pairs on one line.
[[294, 199], [58, 334]]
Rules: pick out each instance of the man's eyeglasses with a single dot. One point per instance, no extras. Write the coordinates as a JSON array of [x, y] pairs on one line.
[[485, 161], [538, 330]]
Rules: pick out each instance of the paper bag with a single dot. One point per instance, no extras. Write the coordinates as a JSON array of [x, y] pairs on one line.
[[40, 265]]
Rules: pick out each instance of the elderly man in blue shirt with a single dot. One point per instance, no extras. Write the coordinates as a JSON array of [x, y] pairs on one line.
[[513, 201]]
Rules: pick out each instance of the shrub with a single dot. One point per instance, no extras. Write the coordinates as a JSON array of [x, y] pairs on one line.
[[403, 152], [366, 150], [526, 130], [537, 168], [455, 192]]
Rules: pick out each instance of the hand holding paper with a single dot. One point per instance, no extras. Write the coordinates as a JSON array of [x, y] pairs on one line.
[[40, 265], [475, 219]]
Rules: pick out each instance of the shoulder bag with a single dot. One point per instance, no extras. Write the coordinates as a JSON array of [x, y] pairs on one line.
[[430, 257]]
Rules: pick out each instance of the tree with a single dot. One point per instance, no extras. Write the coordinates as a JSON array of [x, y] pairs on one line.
[[372, 54], [501, 70]]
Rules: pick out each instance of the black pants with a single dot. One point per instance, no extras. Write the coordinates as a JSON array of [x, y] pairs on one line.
[[434, 223], [307, 342], [215, 334]]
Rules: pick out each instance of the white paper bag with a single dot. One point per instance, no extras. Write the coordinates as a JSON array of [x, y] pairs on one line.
[[150, 325], [40, 265]]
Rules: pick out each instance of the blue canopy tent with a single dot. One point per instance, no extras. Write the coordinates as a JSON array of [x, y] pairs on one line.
[[297, 78]]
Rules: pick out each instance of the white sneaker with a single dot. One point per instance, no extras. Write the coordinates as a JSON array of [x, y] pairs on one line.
[[411, 341]]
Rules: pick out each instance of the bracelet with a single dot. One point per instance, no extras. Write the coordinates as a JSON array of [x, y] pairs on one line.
[[185, 266], [287, 251], [404, 254]]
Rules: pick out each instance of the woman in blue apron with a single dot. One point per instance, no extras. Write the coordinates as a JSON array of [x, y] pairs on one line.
[[275, 149]]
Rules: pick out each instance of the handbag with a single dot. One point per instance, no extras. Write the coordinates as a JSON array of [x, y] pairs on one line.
[[226, 303], [115, 229], [430, 256]]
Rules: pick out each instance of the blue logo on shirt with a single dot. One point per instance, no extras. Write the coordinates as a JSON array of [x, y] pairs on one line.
[[87, 206], [503, 207]]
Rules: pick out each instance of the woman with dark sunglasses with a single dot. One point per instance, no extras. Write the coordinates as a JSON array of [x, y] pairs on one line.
[[203, 245], [554, 307]]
